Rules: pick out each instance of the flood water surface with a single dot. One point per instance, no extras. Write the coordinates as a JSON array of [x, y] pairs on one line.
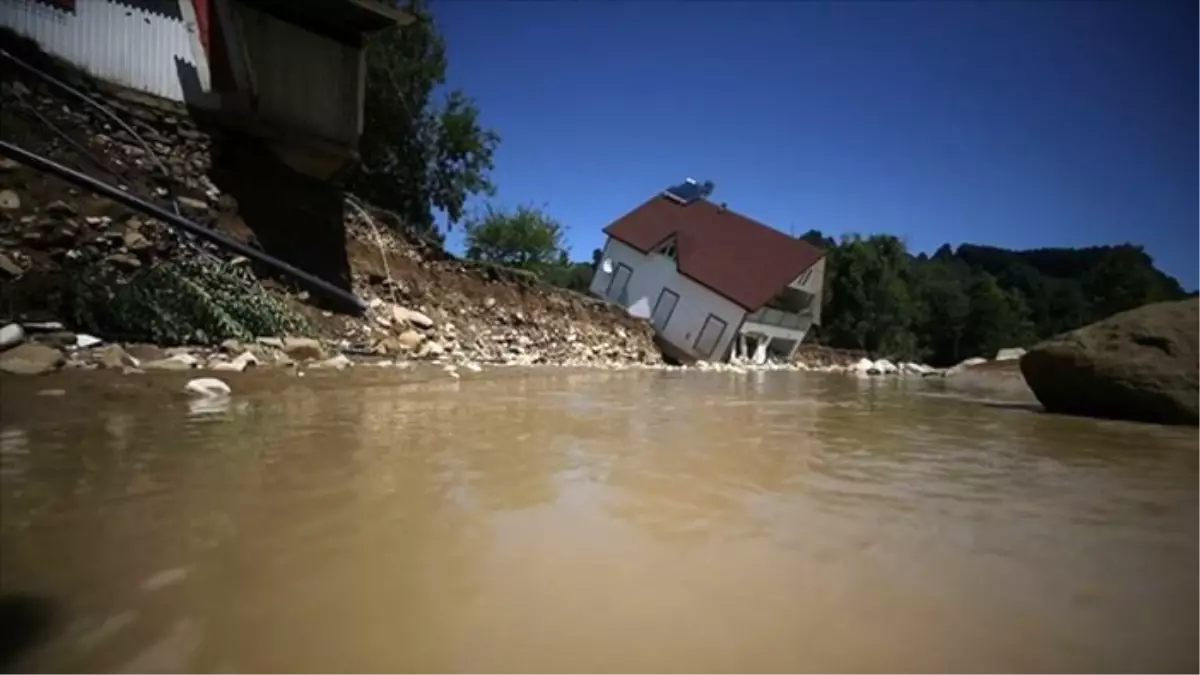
[[595, 522]]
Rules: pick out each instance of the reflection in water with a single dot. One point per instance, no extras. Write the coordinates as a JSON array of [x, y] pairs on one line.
[[599, 522]]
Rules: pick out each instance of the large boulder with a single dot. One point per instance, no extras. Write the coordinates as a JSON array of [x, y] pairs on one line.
[[1137, 365]]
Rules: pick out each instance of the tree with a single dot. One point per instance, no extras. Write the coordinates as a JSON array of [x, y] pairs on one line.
[[870, 304], [945, 312], [419, 155], [526, 238]]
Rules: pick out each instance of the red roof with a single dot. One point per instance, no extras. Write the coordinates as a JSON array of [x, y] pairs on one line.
[[733, 255]]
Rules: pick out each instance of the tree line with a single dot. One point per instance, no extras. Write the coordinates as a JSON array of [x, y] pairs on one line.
[[423, 154], [974, 300]]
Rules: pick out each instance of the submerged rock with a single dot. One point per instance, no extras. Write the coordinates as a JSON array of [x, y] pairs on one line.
[[1137, 365], [176, 362], [302, 349], [113, 356], [1010, 354], [209, 387], [31, 359]]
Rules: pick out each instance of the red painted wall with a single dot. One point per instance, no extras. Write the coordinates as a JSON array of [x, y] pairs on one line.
[[203, 9]]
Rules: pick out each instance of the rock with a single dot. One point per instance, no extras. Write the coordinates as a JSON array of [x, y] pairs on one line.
[[83, 341], [404, 315], [886, 367], [9, 201], [113, 356], [302, 349], [275, 342], [1138, 365], [431, 349], [176, 362], [145, 352], [230, 346], [862, 367], [30, 359], [192, 204], [126, 261], [207, 387], [966, 363], [1010, 354], [410, 339], [340, 362], [9, 267], [60, 209], [11, 336], [135, 240], [7, 165], [239, 364]]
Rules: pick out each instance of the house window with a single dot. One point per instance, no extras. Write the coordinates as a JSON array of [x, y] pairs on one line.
[[710, 336], [618, 283], [668, 250]]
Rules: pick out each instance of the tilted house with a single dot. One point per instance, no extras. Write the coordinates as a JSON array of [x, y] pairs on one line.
[[711, 281]]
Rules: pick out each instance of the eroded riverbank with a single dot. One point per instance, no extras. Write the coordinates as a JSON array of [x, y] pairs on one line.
[[539, 520]]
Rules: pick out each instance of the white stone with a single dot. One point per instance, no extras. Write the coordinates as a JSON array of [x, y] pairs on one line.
[[241, 363], [405, 315], [862, 366], [431, 348], [83, 341], [340, 362], [11, 335], [207, 387], [1010, 354]]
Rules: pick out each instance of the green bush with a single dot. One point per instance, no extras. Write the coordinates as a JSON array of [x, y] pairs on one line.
[[184, 302]]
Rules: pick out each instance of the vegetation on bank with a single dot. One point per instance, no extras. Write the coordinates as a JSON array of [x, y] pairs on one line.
[[423, 155], [974, 300]]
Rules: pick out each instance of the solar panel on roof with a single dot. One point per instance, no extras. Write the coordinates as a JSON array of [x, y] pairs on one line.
[[689, 191]]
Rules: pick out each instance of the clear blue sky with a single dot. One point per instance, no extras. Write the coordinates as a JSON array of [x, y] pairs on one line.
[[1014, 123]]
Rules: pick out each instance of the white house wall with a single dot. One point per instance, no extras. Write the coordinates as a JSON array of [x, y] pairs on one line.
[[116, 42], [815, 284], [652, 273]]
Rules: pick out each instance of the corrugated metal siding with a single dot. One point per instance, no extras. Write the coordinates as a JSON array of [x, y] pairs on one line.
[[115, 42], [303, 79]]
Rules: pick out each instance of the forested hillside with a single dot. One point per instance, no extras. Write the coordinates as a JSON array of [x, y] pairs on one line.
[[976, 299]]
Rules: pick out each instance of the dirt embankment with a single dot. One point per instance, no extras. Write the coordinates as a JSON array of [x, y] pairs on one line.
[[96, 267]]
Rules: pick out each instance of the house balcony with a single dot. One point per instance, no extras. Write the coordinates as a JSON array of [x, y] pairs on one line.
[[788, 316], [776, 323]]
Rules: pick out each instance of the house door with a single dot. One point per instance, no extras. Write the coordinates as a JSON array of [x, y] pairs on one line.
[[710, 336], [663, 309]]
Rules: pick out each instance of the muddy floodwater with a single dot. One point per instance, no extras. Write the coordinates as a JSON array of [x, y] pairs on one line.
[[611, 522]]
